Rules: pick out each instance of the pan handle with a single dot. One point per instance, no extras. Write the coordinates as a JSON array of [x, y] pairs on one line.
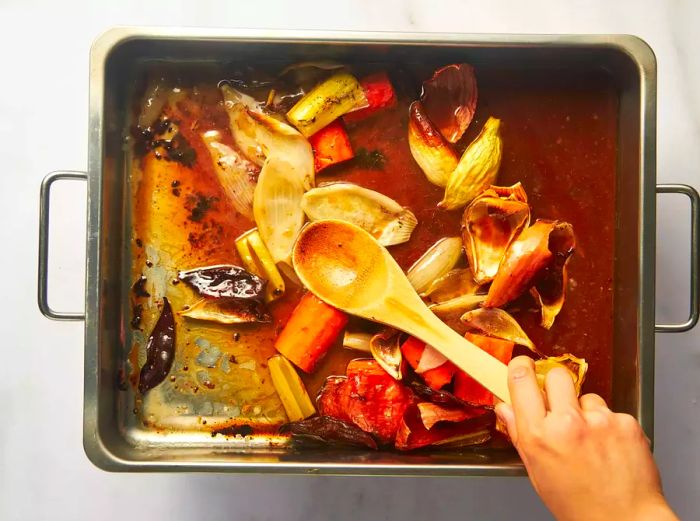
[[44, 203], [694, 257]]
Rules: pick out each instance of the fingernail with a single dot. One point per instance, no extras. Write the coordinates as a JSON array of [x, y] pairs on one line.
[[519, 372]]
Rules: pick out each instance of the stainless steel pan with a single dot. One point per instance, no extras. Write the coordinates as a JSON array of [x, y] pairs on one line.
[[115, 442]]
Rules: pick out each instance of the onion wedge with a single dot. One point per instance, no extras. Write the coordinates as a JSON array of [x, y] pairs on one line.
[[433, 154], [543, 245], [496, 323], [237, 176], [477, 168], [453, 284], [490, 224], [381, 216], [436, 262], [260, 136], [450, 98], [277, 208]]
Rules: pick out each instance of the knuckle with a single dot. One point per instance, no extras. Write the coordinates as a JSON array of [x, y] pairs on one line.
[[598, 419], [628, 425], [569, 425]]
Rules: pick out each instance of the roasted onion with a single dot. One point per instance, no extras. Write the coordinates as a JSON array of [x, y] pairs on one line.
[[544, 245], [492, 221]]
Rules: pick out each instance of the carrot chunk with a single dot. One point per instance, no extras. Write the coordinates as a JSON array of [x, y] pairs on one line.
[[310, 332], [331, 145], [468, 389]]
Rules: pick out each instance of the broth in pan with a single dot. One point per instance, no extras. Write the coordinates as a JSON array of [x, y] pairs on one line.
[[493, 190]]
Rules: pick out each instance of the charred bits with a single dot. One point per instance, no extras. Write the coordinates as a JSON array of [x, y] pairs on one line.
[[198, 205]]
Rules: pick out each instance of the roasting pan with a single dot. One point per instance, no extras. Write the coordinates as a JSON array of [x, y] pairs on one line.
[[115, 442]]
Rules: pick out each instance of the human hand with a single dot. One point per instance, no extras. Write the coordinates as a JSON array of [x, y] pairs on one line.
[[585, 462]]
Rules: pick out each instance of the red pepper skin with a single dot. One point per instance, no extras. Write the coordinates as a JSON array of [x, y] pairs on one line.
[[380, 95], [331, 145], [368, 397]]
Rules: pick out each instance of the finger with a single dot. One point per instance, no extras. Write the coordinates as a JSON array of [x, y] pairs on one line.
[[507, 418], [527, 399], [561, 393], [592, 401]]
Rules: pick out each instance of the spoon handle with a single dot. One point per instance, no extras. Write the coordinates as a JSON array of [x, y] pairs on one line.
[[480, 365]]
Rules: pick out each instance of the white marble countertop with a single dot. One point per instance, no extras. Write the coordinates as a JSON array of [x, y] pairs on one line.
[[44, 473]]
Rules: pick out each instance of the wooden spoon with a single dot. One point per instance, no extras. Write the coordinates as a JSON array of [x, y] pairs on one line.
[[347, 268]]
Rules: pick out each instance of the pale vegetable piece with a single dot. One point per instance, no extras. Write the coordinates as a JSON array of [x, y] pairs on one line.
[[452, 284], [450, 99], [430, 150], [577, 368], [385, 219], [477, 168], [327, 101], [490, 224], [358, 341], [290, 388], [430, 359], [226, 312], [260, 136], [258, 260], [496, 323], [236, 175], [457, 305], [277, 208], [385, 347], [437, 260]]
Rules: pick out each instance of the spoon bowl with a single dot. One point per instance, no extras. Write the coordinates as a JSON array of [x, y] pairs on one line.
[[346, 267]]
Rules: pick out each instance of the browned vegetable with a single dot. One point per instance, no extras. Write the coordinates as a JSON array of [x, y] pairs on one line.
[[326, 430], [450, 98], [538, 247], [385, 347], [430, 150], [413, 434], [225, 282], [160, 350], [492, 221]]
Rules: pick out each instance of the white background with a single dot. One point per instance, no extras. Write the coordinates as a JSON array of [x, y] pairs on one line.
[[43, 121]]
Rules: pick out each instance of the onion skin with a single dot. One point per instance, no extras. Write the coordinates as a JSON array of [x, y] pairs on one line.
[[542, 246], [524, 259], [450, 98], [491, 222]]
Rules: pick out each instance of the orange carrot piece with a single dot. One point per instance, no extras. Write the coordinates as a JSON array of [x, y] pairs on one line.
[[468, 389], [436, 378], [331, 145], [310, 332]]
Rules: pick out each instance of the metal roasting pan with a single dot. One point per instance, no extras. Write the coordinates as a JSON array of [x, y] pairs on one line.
[[115, 443]]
